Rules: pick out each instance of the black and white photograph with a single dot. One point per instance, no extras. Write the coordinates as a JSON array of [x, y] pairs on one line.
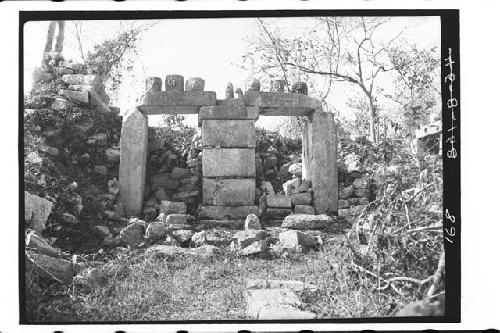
[[265, 168], [249, 168]]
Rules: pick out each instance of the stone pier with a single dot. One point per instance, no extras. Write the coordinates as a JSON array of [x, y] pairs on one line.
[[228, 136]]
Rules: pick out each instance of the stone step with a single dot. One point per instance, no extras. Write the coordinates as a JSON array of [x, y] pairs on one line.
[[228, 192], [227, 212], [228, 133], [228, 224], [228, 162]]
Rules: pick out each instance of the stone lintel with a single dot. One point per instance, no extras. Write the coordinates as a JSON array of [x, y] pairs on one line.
[[285, 111], [152, 110], [280, 100], [227, 112], [179, 98]]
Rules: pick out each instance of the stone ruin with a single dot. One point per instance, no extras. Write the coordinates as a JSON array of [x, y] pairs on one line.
[[228, 143]]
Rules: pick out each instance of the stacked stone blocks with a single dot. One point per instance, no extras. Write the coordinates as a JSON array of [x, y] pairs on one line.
[[228, 145]]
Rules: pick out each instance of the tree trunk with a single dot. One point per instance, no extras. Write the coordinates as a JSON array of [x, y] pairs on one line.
[[372, 137], [50, 37], [60, 37]]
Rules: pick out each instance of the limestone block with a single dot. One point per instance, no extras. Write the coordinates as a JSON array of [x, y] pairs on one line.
[[175, 102], [228, 133], [227, 212], [223, 112], [36, 211], [254, 248], [254, 85], [301, 198], [281, 103], [277, 213], [180, 219], [153, 84], [229, 90], [174, 82], [292, 238], [319, 160], [300, 88], [275, 304], [344, 203], [171, 207], [80, 96], [195, 84], [133, 157], [278, 85], [304, 209], [228, 192], [79, 79], [228, 162], [363, 192], [51, 268], [279, 201], [185, 194], [305, 221], [291, 186], [164, 180]]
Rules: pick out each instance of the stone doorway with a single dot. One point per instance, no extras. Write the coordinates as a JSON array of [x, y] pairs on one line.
[[228, 144]]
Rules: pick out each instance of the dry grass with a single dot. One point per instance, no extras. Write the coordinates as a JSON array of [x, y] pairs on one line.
[[189, 288]]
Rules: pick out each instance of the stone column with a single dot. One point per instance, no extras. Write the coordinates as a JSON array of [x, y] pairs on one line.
[[319, 160], [133, 157]]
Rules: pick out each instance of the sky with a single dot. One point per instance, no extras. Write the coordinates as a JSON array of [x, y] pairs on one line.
[[206, 48]]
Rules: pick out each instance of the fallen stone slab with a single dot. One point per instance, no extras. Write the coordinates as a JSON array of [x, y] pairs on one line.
[[244, 238], [228, 192], [279, 201], [275, 304], [180, 219], [228, 224], [291, 239], [40, 245], [305, 221], [156, 231], [227, 212], [172, 252], [255, 247], [51, 268], [296, 286], [211, 237], [36, 211], [132, 235]]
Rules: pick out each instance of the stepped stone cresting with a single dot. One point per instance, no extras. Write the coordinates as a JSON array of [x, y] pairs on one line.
[[228, 139]]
